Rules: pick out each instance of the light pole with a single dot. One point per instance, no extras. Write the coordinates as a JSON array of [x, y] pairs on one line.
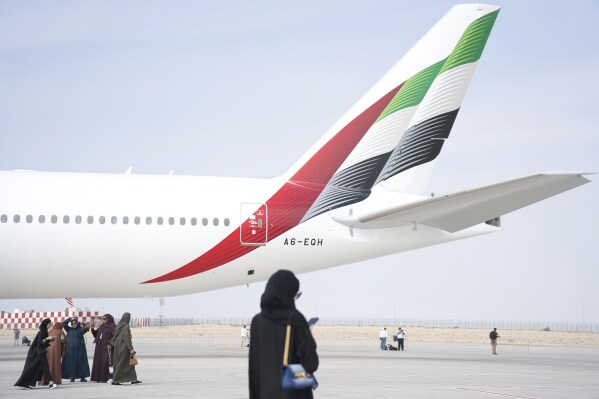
[[482, 312]]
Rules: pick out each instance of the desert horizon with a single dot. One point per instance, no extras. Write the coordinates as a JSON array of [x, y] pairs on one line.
[[413, 334]]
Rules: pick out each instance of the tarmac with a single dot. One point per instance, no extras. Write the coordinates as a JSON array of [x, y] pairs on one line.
[[207, 367]]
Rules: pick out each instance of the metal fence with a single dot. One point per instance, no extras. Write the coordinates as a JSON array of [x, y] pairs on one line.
[[427, 323], [470, 324], [514, 345]]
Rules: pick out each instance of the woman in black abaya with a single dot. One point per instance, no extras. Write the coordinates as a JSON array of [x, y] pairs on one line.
[[36, 363], [268, 339]]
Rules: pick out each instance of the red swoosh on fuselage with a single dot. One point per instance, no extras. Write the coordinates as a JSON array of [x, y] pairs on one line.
[[289, 204]]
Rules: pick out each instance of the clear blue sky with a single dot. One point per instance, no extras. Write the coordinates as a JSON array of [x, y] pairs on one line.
[[193, 86]]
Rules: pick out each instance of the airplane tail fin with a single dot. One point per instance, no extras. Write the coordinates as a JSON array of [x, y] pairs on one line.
[[393, 134]]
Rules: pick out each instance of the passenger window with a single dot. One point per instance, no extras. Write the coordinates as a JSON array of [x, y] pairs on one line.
[[65, 219], [125, 219], [16, 218], [41, 219], [182, 221], [114, 220], [227, 222], [102, 219], [54, 219], [29, 218], [171, 221], [90, 220], [148, 220], [3, 218], [215, 221], [194, 221], [78, 219], [160, 220], [205, 222], [137, 220]]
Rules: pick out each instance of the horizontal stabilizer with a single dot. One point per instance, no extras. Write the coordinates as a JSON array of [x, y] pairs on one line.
[[457, 211]]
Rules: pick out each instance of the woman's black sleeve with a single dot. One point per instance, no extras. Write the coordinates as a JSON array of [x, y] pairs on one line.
[[306, 349]]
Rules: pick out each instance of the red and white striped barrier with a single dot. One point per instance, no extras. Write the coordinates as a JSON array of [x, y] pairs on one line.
[[142, 322], [25, 320]]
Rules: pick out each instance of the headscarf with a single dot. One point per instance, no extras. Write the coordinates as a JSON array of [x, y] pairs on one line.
[[277, 301], [58, 325], [44, 329], [108, 326], [124, 322], [42, 334]]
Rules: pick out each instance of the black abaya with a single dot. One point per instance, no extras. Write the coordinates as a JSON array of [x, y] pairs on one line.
[[36, 363], [268, 340]]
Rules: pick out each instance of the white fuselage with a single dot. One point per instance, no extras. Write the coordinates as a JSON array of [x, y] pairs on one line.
[[103, 235], [98, 235]]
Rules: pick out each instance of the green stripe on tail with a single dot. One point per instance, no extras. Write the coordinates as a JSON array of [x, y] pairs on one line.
[[468, 50], [471, 44], [413, 91]]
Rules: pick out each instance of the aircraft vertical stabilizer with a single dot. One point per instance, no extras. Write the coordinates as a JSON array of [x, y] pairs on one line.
[[411, 163], [394, 133]]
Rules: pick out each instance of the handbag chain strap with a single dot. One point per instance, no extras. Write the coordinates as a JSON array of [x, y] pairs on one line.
[[287, 339]]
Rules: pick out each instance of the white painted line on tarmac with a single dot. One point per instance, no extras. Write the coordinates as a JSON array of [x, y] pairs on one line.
[[495, 393]]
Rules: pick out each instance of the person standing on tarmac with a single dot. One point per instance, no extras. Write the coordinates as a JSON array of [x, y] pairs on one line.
[[74, 362], [16, 333], [36, 363], [122, 349], [383, 338], [55, 352], [401, 335], [244, 336], [267, 344], [493, 335], [103, 351]]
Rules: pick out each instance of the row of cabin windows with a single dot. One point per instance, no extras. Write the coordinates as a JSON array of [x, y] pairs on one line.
[[115, 220]]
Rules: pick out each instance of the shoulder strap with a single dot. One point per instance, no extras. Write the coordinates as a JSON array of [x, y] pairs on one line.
[[287, 339]]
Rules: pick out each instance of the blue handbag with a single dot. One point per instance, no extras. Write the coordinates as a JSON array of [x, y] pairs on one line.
[[293, 376]]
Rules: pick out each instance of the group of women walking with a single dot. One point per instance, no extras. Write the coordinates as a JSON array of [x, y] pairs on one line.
[[282, 346], [58, 352]]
